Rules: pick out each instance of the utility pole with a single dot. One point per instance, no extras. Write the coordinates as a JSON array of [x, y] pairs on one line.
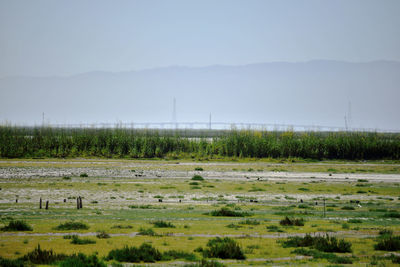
[[209, 126], [174, 114]]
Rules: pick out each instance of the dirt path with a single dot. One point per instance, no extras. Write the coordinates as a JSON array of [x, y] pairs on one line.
[[42, 172]]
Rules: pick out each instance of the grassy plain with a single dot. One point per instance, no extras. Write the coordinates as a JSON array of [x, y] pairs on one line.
[[361, 198]]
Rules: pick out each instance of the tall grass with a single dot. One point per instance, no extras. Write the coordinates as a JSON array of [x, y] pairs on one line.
[[28, 142]]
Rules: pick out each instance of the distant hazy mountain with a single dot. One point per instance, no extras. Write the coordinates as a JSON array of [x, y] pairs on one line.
[[315, 92]]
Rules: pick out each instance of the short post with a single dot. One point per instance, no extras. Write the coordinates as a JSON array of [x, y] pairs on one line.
[[40, 203], [16, 200], [47, 204], [77, 203], [80, 202]]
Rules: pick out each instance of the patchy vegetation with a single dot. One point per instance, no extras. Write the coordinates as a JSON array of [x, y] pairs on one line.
[[17, 225]]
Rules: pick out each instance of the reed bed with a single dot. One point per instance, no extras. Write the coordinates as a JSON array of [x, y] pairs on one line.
[[33, 142]]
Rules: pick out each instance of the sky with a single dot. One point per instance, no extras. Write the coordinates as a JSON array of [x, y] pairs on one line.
[[57, 38], [49, 40]]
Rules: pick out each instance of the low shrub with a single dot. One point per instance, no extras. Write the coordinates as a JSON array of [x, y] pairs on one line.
[[72, 226], [223, 248], [355, 221], [325, 244], [331, 244], [145, 253], [43, 256], [392, 214], [198, 169], [250, 222], [163, 224], [148, 231], [348, 208], [84, 175], [298, 241], [331, 257], [292, 222], [121, 226], [274, 228], [386, 232], [17, 225], [81, 241], [197, 178], [226, 212], [177, 254], [81, 260], [388, 243], [11, 262], [102, 235], [234, 226]]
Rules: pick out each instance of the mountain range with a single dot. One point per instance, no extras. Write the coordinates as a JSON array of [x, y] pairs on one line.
[[318, 92]]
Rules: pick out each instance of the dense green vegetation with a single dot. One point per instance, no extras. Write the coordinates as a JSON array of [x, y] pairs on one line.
[[24, 142], [223, 248], [17, 225], [72, 226]]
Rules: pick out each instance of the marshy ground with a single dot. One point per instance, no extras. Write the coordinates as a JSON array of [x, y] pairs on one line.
[[125, 197]]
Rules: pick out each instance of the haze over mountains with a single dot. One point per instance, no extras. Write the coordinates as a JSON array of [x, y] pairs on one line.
[[312, 93]]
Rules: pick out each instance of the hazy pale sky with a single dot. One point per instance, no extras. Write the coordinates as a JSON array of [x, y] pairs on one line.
[[53, 37]]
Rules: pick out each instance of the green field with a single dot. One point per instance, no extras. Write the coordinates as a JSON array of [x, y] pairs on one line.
[[121, 198]]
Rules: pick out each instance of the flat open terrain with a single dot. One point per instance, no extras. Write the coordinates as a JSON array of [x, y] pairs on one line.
[[361, 198]]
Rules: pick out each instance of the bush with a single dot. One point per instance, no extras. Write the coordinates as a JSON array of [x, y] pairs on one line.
[[226, 212], [42, 256], [331, 244], [11, 262], [250, 222], [17, 225], [177, 254], [144, 231], [297, 241], [163, 224], [348, 208], [292, 222], [224, 248], [102, 234], [325, 244], [355, 221], [331, 257], [198, 169], [84, 175], [145, 253], [197, 178], [388, 243], [120, 226], [392, 214], [81, 241], [81, 260], [386, 232], [72, 226]]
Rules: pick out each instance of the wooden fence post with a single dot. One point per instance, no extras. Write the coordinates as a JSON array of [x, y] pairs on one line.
[[40, 203], [47, 204]]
